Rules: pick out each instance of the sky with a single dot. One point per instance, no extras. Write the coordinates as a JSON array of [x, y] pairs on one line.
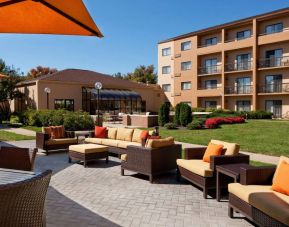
[[131, 28]]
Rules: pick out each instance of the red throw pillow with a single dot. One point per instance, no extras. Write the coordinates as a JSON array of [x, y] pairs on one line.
[[100, 132], [212, 150], [144, 135]]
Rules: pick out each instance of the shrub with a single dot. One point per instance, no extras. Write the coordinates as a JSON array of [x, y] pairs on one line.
[[185, 114], [31, 118], [14, 119], [78, 121], [164, 114], [171, 126], [177, 114], [259, 114], [216, 122], [198, 109], [196, 124]]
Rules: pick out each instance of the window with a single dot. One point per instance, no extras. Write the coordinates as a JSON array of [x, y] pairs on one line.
[[274, 58], [211, 84], [273, 28], [186, 45], [211, 66], [211, 41], [243, 34], [186, 65], [275, 107], [166, 51], [189, 103], [243, 85], [67, 104], [211, 104], [243, 62], [244, 105], [186, 85], [273, 84], [166, 87], [166, 69]]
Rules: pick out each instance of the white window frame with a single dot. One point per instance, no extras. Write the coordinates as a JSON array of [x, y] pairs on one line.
[[166, 69], [187, 65], [168, 86], [166, 51], [187, 85], [186, 45]]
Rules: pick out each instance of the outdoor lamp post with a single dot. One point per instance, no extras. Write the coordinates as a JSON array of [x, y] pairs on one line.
[[47, 90], [98, 87]]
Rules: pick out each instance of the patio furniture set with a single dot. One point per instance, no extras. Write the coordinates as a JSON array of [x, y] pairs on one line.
[[261, 194]]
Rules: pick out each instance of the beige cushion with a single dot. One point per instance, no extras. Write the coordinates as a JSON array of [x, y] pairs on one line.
[[124, 144], [136, 135], [124, 134], [231, 148], [88, 148], [244, 191], [109, 142], [61, 141], [158, 143], [93, 140], [151, 132], [196, 166], [111, 133], [282, 158], [123, 157]]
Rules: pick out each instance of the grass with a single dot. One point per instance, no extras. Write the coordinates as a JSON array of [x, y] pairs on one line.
[[259, 136], [10, 136], [256, 163], [32, 128]]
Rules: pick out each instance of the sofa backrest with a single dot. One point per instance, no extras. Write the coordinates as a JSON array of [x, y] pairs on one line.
[[158, 143], [136, 136], [124, 134], [111, 133], [231, 148]]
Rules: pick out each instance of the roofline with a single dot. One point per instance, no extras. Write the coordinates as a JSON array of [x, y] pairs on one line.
[[220, 26]]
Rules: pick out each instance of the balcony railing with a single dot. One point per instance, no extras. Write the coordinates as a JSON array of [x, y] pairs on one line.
[[211, 87], [215, 69], [274, 62], [274, 88], [242, 90], [238, 66], [277, 31]]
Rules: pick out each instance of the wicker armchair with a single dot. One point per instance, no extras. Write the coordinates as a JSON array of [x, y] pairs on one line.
[[209, 181], [17, 158], [23, 203], [151, 161]]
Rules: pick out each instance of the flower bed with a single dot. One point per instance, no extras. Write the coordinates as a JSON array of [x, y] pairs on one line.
[[215, 122]]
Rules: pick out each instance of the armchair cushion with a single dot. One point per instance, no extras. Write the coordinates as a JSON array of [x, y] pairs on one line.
[[212, 150], [196, 166], [125, 144], [93, 140], [231, 148], [61, 141], [57, 132], [281, 180], [158, 143], [109, 142]]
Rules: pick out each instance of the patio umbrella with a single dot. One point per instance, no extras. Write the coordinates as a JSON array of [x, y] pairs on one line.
[[63, 17]]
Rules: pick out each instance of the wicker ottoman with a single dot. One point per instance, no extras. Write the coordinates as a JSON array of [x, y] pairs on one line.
[[87, 152]]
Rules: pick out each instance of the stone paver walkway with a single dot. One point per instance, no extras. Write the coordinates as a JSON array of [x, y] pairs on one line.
[[100, 196], [20, 131]]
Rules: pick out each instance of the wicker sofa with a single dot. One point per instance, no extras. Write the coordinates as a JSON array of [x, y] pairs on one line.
[[118, 139], [255, 199], [45, 142], [157, 157], [203, 174]]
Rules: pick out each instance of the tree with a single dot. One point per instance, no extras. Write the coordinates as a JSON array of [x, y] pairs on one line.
[[143, 74], [185, 114], [40, 71], [164, 114], [177, 113], [8, 90]]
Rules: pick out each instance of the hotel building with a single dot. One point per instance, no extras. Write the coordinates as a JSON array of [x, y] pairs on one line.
[[241, 65]]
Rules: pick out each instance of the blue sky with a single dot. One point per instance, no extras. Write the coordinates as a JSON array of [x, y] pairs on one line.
[[131, 28]]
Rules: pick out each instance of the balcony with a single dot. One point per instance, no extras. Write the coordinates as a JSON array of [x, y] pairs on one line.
[[274, 62], [239, 90], [210, 70], [239, 66], [274, 88]]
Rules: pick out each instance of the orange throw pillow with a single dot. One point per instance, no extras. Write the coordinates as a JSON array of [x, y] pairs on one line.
[[144, 135], [57, 132], [100, 132], [281, 180], [212, 150]]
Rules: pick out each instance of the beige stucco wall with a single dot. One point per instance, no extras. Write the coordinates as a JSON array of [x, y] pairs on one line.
[[263, 24], [232, 33]]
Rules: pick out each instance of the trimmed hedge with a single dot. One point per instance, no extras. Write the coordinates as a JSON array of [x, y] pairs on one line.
[[216, 122], [177, 114], [196, 124], [259, 114], [185, 114], [71, 120], [164, 114], [171, 126]]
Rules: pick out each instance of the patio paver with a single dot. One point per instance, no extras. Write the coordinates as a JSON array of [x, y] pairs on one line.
[[99, 196]]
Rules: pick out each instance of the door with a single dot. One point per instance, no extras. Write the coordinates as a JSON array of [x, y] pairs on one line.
[[243, 62], [275, 107], [211, 65], [274, 58], [273, 84], [243, 85]]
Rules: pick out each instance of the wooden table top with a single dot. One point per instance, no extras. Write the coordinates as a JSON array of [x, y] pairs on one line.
[[8, 176]]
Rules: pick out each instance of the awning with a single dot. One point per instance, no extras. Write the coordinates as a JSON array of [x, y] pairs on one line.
[[63, 17], [113, 94]]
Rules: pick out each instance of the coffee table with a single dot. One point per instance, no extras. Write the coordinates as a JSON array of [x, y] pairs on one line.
[[230, 170]]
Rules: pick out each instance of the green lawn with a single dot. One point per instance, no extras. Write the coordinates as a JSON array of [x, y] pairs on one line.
[[260, 136], [33, 128], [10, 136]]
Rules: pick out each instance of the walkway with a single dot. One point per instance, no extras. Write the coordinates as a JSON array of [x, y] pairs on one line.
[[20, 131]]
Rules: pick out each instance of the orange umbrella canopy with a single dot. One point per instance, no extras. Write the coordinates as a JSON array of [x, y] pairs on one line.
[[64, 17]]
